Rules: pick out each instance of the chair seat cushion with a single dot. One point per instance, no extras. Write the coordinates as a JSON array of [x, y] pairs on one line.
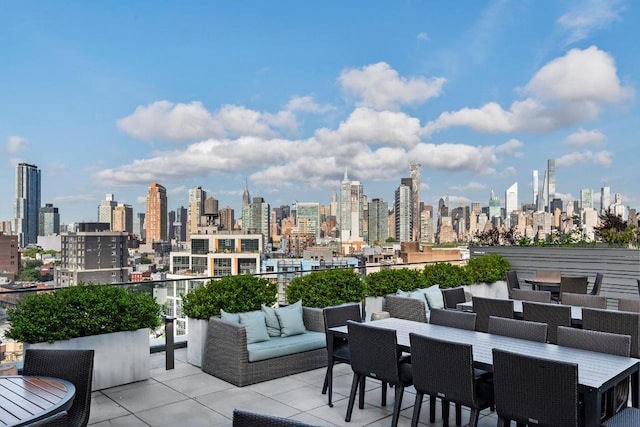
[[282, 346]]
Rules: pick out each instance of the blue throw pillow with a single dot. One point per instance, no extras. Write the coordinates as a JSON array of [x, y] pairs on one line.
[[273, 324], [291, 320], [434, 296], [231, 317], [254, 324]]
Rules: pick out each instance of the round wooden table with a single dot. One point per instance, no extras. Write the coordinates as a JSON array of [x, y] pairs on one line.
[[27, 399]]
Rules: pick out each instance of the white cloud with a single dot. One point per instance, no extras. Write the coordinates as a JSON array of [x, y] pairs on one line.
[[379, 86], [510, 148], [455, 157], [601, 158], [510, 170], [307, 105], [469, 186], [566, 91], [585, 137], [422, 36], [16, 144], [589, 16], [188, 122]]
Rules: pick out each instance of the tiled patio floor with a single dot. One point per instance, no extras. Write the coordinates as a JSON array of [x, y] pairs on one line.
[[186, 396]]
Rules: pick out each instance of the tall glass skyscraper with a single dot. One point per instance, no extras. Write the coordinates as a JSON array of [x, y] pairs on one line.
[[26, 208]]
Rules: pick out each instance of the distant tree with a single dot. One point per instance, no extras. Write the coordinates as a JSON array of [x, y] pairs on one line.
[[390, 240], [616, 231], [145, 260]]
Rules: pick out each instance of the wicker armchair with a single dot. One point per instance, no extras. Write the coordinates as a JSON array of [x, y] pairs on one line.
[[534, 391], [553, 315], [60, 419], [251, 419], [375, 354], [523, 329], [75, 366], [445, 369], [584, 300], [406, 308], [452, 297], [338, 316], [574, 285], [530, 295], [226, 356], [512, 281], [486, 307]]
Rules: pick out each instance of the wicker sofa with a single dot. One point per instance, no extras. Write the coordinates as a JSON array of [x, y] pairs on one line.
[[226, 355]]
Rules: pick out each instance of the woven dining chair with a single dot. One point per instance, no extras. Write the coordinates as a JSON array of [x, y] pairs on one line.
[[553, 315], [523, 329], [626, 304], [574, 285], [597, 284], [602, 342], [512, 279], [584, 300], [338, 316], [445, 369], [453, 319], [628, 417], [75, 366], [486, 307], [530, 295], [452, 297], [375, 354], [243, 418], [535, 391], [60, 419]]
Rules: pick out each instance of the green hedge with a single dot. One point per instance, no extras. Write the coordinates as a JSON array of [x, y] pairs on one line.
[[446, 275], [388, 281], [486, 268], [326, 288], [233, 294], [80, 311]]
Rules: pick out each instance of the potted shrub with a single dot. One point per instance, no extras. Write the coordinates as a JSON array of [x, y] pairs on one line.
[[233, 294], [488, 274], [326, 288], [99, 317], [446, 275], [389, 281]]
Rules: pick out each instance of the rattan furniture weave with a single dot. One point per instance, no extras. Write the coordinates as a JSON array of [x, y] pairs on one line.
[[226, 356], [486, 307], [628, 417], [61, 419], [597, 284], [626, 304], [584, 300], [454, 319], [405, 308], [530, 295], [553, 315], [243, 418], [75, 366], [535, 391], [523, 329], [452, 297]]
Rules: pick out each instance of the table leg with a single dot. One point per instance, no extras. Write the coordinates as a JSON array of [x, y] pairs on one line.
[[330, 368], [635, 389], [592, 407]]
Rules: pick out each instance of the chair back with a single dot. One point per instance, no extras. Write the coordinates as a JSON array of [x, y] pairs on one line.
[[251, 419], [548, 275], [530, 295], [553, 315], [486, 307], [602, 342], [443, 369], [340, 314], [597, 284], [374, 352], [534, 391], [406, 308], [75, 366], [523, 329], [59, 419], [452, 297], [453, 318], [582, 300], [626, 304], [512, 279], [574, 285], [616, 322]]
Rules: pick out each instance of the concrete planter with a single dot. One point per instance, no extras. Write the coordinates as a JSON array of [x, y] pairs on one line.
[[120, 357], [372, 305], [195, 340], [488, 290]]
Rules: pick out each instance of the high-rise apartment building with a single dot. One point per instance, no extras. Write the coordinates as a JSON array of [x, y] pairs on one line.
[[586, 198], [427, 234], [414, 174], [156, 217], [49, 221], [605, 199], [122, 218], [256, 218], [105, 210], [9, 255], [351, 218], [551, 182], [180, 224], [138, 225], [227, 219], [511, 199], [378, 221], [26, 207], [403, 207], [197, 196], [494, 206], [308, 218], [534, 187]]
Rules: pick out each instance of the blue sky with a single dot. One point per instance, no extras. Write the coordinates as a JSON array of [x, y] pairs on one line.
[[107, 97]]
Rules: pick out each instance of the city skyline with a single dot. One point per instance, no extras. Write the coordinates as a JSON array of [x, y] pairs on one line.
[[283, 98]]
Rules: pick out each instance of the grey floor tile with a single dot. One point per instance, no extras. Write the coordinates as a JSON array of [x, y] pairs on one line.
[[225, 401], [145, 397], [185, 413], [126, 421], [103, 408], [197, 384]]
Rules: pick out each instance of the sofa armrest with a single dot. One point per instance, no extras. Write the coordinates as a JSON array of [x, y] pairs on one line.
[[226, 341], [313, 319], [406, 308]]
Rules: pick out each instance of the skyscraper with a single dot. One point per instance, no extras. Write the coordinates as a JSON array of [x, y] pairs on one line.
[[403, 207], [105, 210], [414, 174], [534, 187], [511, 199], [494, 205], [26, 207], [551, 182], [256, 218], [156, 217], [378, 221], [351, 210], [49, 220], [308, 213], [122, 218], [197, 196], [605, 199], [586, 198]]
